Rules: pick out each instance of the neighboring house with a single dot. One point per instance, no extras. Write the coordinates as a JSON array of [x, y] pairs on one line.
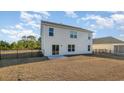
[[109, 45], [60, 39]]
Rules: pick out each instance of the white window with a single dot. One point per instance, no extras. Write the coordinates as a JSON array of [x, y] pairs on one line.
[[51, 31], [89, 47], [73, 34], [89, 37], [71, 48]]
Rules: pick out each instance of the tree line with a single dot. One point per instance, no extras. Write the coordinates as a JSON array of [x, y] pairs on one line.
[[26, 42]]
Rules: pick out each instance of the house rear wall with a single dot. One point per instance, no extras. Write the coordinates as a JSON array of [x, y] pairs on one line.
[[62, 38]]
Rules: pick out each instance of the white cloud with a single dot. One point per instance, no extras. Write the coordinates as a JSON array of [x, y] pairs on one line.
[[14, 34], [5, 31], [30, 22], [121, 28], [25, 16], [94, 34], [33, 25], [27, 32], [104, 22], [118, 18], [35, 15], [100, 22], [122, 35], [92, 27], [43, 14], [10, 33], [115, 20], [34, 18], [71, 14], [11, 27], [19, 26]]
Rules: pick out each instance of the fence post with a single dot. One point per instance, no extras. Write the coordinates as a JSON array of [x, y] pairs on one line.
[[31, 52], [0, 50], [17, 53], [0, 53]]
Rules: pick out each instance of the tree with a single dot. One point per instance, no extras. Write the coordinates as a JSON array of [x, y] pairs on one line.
[[32, 38], [39, 43], [4, 45], [21, 44], [13, 45], [26, 42], [24, 38], [39, 39]]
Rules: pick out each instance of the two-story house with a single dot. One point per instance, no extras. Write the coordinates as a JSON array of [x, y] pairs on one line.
[[61, 39]]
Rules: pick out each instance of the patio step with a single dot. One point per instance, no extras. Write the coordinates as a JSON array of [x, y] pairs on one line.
[[56, 57]]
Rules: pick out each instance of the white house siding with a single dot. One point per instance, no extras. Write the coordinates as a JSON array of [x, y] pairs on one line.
[[62, 38]]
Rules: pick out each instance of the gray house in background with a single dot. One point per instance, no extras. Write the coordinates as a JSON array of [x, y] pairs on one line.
[[109, 45]]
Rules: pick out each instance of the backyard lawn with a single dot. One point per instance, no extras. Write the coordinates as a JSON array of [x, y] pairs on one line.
[[69, 68]]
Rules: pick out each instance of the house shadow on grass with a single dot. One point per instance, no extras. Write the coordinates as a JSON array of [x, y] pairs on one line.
[[12, 62]]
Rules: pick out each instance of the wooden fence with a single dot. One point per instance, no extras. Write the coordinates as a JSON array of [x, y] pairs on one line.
[[8, 54], [101, 51]]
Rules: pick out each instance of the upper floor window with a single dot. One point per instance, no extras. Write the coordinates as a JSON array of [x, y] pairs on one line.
[[73, 34], [89, 37], [51, 31]]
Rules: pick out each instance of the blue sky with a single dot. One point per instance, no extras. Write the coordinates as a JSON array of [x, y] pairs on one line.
[[15, 24]]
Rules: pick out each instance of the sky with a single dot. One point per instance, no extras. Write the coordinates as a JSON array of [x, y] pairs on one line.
[[15, 24]]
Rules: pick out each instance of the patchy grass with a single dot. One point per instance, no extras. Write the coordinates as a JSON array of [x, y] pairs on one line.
[[70, 68]]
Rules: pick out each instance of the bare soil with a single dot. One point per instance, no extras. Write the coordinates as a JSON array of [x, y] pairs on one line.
[[76, 68]]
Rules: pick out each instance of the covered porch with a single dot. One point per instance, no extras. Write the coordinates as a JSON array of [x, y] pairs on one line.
[[119, 49]]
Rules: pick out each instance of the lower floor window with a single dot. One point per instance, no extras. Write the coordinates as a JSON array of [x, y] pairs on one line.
[[88, 47], [71, 48]]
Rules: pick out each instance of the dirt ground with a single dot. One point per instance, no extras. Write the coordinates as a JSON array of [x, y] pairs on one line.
[[75, 68]]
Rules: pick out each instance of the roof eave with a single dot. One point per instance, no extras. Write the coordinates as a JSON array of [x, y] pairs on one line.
[[46, 22]]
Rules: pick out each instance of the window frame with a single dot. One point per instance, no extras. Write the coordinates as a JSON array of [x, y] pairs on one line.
[[51, 31], [73, 34], [89, 37], [89, 47], [71, 48]]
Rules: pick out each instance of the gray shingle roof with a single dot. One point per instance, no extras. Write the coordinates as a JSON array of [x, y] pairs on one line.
[[106, 40], [60, 24]]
